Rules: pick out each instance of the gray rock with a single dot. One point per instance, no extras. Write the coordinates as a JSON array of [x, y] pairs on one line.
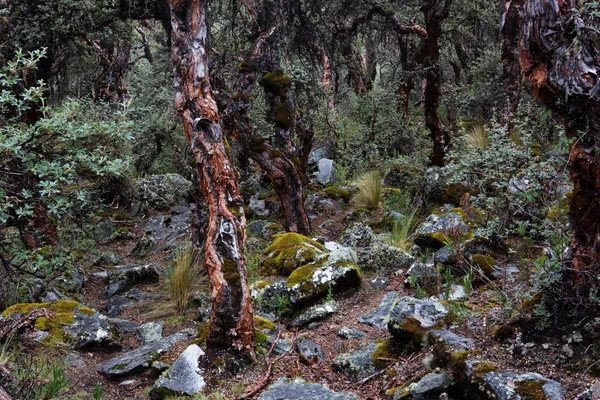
[[183, 378], [143, 357], [318, 153], [380, 316], [150, 332], [439, 222], [445, 256], [497, 383], [310, 352], [115, 305], [163, 191], [380, 283], [326, 173], [315, 313], [350, 333], [298, 389], [168, 227], [87, 330], [124, 276], [249, 188], [423, 274], [372, 252], [106, 258], [123, 326], [358, 364], [74, 360], [282, 346], [258, 207], [104, 231], [137, 295], [257, 227], [143, 248], [426, 388], [410, 318], [516, 185]]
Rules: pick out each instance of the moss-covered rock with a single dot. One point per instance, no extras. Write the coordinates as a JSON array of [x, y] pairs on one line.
[[485, 263], [454, 193], [335, 192], [288, 252], [410, 319]]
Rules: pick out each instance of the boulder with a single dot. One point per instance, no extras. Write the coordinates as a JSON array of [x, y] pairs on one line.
[[411, 318], [143, 357], [87, 330], [422, 274], [183, 378], [315, 313], [358, 364], [380, 316], [298, 389], [163, 191], [434, 231], [449, 349], [115, 305], [310, 353], [168, 227], [123, 277], [288, 252], [372, 252], [428, 387], [143, 248], [350, 333], [507, 385], [326, 173], [150, 332]]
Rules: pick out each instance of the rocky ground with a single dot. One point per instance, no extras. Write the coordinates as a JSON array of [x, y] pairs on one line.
[[342, 315]]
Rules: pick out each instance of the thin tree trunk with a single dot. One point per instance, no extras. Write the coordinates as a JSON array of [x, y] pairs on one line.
[[511, 68], [429, 53], [231, 322]]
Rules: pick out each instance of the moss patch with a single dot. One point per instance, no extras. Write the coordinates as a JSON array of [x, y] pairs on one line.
[[385, 350], [283, 116], [301, 274], [486, 263], [288, 252], [277, 83], [86, 311], [23, 308], [530, 390], [335, 192], [263, 324], [481, 368], [260, 338]]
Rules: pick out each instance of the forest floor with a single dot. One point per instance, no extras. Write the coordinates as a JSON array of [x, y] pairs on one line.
[[523, 349]]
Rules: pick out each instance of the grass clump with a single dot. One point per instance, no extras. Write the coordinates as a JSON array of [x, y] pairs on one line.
[[402, 230], [369, 190], [184, 278], [477, 137]]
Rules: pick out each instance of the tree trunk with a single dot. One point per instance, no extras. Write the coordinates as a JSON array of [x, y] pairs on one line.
[[558, 55], [231, 322], [429, 53], [511, 69]]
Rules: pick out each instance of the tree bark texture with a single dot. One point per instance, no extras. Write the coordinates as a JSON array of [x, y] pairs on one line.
[[231, 322], [559, 55], [282, 161], [435, 12], [511, 70]]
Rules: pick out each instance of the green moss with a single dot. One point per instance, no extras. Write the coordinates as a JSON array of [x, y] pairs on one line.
[[283, 115], [275, 228], [481, 368], [530, 390], [262, 284], [23, 308], [43, 324], [263, 324], [277, 83], [289, 251], [486, 263], [260, 338], [413, 330], [257, 144], [335, 192], [245, 67], [301, 274], [64, 318], [203, 332], [384, 350], [64, 305]]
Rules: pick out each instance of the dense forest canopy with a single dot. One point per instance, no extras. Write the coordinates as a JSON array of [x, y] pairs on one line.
[[248, 166]]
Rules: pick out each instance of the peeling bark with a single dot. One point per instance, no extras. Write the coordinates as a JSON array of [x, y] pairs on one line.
[[559, 55], [231, 322]]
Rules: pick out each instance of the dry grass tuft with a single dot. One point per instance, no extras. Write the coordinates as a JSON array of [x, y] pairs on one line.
[[369, 190], [477, 137]]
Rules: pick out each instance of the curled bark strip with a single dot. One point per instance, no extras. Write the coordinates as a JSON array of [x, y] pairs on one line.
[[231, 322]]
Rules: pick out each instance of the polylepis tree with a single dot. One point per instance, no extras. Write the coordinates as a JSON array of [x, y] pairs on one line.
[[558, 48], [231, 322]]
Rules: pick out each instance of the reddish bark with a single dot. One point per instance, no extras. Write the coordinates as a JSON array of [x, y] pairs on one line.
[[558, 56], [231, 322]]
